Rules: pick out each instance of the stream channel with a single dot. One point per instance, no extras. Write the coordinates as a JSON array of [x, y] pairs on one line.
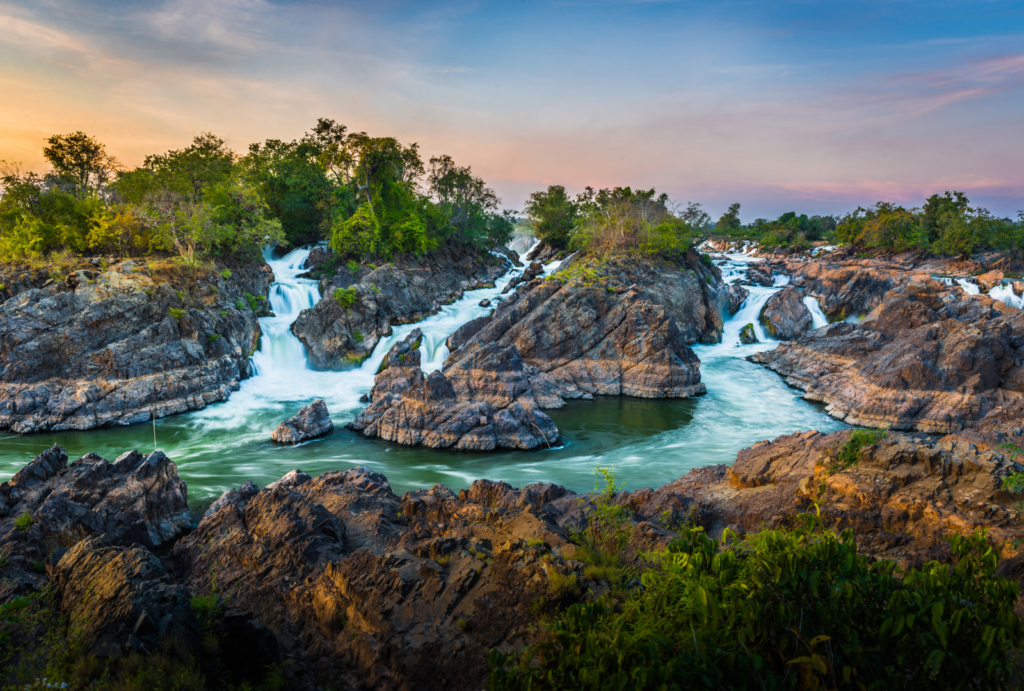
[[649, 442]]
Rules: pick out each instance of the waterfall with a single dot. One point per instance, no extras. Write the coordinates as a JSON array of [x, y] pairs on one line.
[[1005, 293], [817, 316], [289, 295], [969, 288]]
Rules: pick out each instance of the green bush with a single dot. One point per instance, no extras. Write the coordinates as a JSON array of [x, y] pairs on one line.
[[240, 305], [345, 297], [796, 609], [226, 273], [353, 267], [177, 313], [849, 455], [23, 521], [357, 335]]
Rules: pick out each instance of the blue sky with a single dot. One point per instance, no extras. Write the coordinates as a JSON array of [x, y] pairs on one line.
[[807, 106]]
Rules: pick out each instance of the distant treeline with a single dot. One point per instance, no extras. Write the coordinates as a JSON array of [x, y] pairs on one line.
[[368, 196], [945, 224]]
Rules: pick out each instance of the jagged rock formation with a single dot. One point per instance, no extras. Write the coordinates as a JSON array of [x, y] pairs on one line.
[[534, 270], [733, 297], [134, 500], [312, 421], [785, 316], [345, 330], [121, 345], [929, 357], [760, 274]]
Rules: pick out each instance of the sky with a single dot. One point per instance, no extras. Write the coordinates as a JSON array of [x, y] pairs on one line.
[[815, 107]]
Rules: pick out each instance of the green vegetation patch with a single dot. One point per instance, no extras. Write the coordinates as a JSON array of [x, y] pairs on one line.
[[345, 297]]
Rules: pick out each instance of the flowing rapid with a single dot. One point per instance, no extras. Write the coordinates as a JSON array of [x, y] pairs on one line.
[[649, 442]]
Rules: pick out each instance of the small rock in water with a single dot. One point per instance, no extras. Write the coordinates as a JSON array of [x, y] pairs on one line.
[[990, 280], [312, 421], [747, 335], [1018, 288], [485, 303]]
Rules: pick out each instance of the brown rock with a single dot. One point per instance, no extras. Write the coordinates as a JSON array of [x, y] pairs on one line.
[[785, 316], [988, 281], [312, 421]]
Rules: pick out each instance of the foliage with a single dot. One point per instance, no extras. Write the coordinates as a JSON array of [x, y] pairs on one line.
[[620, 219], [345, 297], [606, 533], [554, 215], [226, 273], [796, 609], [23, 521], [176, 313], [849, 455]]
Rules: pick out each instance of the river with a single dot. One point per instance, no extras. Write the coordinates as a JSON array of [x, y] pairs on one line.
[[649, 442]]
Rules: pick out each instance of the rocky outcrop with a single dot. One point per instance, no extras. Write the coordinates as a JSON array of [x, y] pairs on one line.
[[785, 316], [624, 332], [382, 591], [310, 422], [929, 357], [733, 297], [50, 505], [354, 315], [122, 600], [760, 274], [849, 288], [123, 345], [420, 410]]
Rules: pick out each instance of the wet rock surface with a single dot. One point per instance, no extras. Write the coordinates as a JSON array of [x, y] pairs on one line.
[[785, 316], [733, 297], [929, 357], [747, 335], [344, 328], [760, 274], [312, 421], [121, 345]]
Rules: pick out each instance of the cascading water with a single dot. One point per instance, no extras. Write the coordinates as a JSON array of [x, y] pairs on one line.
[[818, 318], [1005, 293]]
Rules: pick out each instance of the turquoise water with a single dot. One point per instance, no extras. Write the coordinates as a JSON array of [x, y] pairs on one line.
[[649, 442]]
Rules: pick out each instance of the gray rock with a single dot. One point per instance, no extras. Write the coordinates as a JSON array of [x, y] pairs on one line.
[[310, 422], [760, 274], [785, 316]]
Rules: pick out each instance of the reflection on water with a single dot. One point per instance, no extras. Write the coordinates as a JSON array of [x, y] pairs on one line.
[[649, 442]]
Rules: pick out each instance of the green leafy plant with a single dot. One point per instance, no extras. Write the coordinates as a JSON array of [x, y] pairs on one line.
[[214, 337], [357, 335], [38, 565], [791, 609], [23, 521], [849, 455], [226, 273], [353, 267], [176, 313], [345, 297], [240, 305], [254, 301]]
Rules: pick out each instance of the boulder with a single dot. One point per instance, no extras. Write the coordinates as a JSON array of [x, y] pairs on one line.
[[988, 281], [747, 335], [1018, 288], [760, 274], [485, 303], [312, 421], [733, 298], [785, 316]]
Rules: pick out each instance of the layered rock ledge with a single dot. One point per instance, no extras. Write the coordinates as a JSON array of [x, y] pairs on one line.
[[120, 345], [929, 357]]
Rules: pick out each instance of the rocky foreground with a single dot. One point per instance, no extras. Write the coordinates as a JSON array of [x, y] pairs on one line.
[[120, 343], [345, 581]]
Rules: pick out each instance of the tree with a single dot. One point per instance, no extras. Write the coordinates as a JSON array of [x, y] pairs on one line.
[[730, 220], [554, 215], [466, 207], [194, 169], [80, 159], [936, 206]]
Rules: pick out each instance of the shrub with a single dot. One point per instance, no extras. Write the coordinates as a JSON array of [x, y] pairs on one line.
[[176, 313], [345, 297], [23, 521], [214, 337], [240, 305], [226, 273], [796, 609], [353, 267], [849, 455], [357, 335], [254, 301]]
